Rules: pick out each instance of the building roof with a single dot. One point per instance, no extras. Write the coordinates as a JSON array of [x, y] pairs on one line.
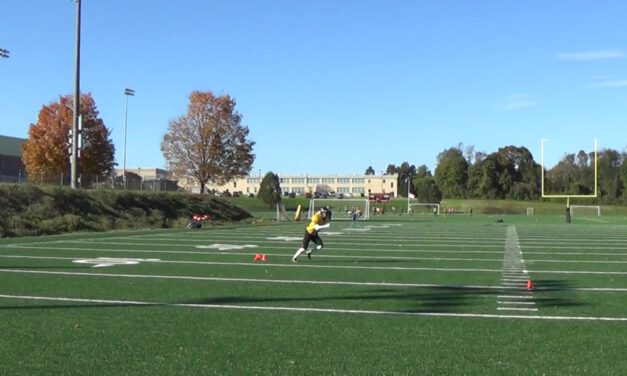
[[11, 146]]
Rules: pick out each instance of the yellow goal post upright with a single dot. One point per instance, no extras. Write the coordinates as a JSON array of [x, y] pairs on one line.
[[567, 197]]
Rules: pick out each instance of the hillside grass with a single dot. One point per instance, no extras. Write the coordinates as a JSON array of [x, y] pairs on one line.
[[45, 210]]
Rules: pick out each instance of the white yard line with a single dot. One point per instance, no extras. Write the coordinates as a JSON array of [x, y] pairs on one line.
[[514, 267], [316, 310]]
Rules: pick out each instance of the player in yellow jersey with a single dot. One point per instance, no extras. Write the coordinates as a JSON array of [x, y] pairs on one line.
[[320, 220]]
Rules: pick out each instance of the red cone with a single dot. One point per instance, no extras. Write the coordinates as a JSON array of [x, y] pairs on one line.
[[529, 285], [257, 257], [264, 257]]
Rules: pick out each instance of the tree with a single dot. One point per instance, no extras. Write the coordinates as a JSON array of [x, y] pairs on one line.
[[369, 171], [610, 183], [209, 142], [46, 153], [270, 189], [425, 187], [427, 190], [451, 173]]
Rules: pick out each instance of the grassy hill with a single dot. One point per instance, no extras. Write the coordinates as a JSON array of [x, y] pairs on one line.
[[43, 210]]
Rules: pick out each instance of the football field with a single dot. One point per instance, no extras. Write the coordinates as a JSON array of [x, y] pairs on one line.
[[420, 295]]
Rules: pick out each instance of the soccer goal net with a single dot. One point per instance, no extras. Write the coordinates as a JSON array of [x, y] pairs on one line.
[[341, 209], [423, 208], [585, 211]]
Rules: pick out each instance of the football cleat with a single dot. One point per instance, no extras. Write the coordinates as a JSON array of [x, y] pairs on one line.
[[309, 253]]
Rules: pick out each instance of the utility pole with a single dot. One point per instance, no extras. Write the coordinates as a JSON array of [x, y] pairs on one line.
[[127, 92], [77, 93]]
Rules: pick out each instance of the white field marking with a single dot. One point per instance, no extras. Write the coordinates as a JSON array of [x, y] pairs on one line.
[[514, 296], [303, 265], [275, 254], [578, 246], [517, 309], [402, 268], [247, 280], [286, 238], [378, 241], [513, 265], [515, 302], [102, 262], [623, 254], [592, 220], [162, 244], [291, 281], [514, 279], [226, 247], [317, 310], [386, 225]]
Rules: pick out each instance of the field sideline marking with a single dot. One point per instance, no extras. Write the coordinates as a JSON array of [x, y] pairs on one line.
[[402, 248], [251, 264], [228, 252], [288, 281], [319, 310]]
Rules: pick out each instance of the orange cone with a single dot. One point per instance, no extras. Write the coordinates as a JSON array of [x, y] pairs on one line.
[[257, 257], [264, 257], [529, 285]]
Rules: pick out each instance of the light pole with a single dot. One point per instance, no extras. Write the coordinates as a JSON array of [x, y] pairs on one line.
[[128, 92], [4, 53], [408, 194], [77, 69]]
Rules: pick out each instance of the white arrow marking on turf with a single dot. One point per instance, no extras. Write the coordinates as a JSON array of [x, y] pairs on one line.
[[102, 262]]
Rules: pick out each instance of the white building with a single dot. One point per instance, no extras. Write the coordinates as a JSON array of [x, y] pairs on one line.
[[348, 185]]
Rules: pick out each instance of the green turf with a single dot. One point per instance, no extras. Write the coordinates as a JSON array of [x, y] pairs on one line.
[[407, 295]]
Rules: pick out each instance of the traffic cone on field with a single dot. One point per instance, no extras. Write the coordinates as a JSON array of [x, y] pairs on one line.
[[264, 257], [257, 257], [529, 285]]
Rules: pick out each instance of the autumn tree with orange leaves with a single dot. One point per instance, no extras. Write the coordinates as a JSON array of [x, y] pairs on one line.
[[46, 153], [209, 142]]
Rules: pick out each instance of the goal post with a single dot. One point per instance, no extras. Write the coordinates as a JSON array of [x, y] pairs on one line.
[[585, 211], [341, 209], [424, 208]]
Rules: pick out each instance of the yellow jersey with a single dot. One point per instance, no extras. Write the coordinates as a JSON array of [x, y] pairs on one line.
[[317, 219]]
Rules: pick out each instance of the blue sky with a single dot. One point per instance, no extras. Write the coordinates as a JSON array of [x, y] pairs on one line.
[[332, 86]]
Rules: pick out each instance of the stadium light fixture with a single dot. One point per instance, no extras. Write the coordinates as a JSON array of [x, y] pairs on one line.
[[127, 92]]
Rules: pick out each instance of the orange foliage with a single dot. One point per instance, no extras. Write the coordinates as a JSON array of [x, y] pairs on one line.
[[209, 142], [46, 154]]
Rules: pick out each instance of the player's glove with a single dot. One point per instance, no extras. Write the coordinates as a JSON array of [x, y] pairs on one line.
[[318, 227]]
